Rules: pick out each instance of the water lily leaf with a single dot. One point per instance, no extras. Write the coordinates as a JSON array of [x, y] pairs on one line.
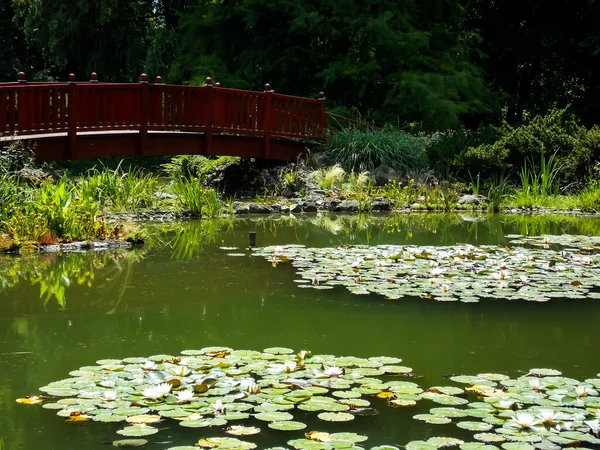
[[108, 418], [448, 412], [517, 446], [489, 437], [477, 446], [302, 444], [544, 372], [335, 417], [347, 437], [475, 426], [448, 390], [130, 443], [402, 403], [138, 430], [394, 370], [318, 436], [420, 445], [274, 416], [287, 425], [221, 442], [431, 418], [444, 441], [278, 351], [239, 430], [33, 400], [144, 418]]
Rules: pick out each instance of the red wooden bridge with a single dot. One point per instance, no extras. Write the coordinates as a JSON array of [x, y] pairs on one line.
[[91, 119]]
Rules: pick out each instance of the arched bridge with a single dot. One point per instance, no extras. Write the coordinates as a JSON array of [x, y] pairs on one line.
[[91, 119]]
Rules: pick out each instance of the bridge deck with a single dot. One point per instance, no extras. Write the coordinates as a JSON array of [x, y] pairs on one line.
[[84, 120]]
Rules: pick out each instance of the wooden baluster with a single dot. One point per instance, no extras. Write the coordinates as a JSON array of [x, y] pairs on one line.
[[268, 120], [73, 113], [322, 120], [143, 114], [3, 112], [211, 114], [22, 104]]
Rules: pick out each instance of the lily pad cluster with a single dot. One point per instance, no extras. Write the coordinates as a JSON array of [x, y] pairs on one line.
[[541, 409], [221, 388], [463, 272]]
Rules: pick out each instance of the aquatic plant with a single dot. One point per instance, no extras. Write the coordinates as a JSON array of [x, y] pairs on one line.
[[218, 386], [463, 273]]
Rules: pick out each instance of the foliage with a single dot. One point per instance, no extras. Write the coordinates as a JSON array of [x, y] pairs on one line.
[[557, 133], [362, 149], [539, 57], [411, 60], [196, 166], [195, 198], [117, 189], [328, 178]]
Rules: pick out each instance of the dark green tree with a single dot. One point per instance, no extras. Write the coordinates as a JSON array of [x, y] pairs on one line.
[[541, 55], [107, 37], [407, 60]]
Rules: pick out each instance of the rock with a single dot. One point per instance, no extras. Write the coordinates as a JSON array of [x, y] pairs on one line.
[[240, 209], [380, 205], [472, 200], [294, 208], [257, 208], [164, 196], [383, 174], [36, 176], [417, 206], [347, 206], [309, 206]]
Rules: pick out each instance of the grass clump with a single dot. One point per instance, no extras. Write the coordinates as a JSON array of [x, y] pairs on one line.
[[118, 189], [359, 149], [194, 198]]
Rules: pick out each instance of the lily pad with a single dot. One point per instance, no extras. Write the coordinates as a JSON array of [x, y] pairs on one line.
[[138, 430], [287, 425], [335, 417]]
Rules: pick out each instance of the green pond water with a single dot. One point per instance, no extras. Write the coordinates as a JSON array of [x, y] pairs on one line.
[[181, 291]]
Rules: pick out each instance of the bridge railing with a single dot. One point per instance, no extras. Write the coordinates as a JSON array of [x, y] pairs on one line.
[[44, 108]]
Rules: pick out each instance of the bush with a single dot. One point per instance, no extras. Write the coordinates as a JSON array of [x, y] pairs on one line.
[[359, 149], [556, 133], [196, 166]]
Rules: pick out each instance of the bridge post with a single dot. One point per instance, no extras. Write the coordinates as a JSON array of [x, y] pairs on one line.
[[267, 120], [211, 115], [72, 108], [143, 114], [323, 118]]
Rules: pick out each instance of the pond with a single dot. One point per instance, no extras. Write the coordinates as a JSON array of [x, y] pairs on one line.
[[189, 289]]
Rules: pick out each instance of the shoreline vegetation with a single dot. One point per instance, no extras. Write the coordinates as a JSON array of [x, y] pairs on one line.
[[548, 164]]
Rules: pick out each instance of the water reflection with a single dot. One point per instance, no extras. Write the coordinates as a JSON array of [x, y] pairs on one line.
[[113, 271]]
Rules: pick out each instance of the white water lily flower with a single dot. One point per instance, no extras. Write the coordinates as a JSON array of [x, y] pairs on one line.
[[290, 366], [582, 391], [549, 417], [437, 271], [219, 407], [164, 388], [524, 420], [355, 264], [185, 396], [110, 396], [594, 425], [433, 280], [152, 393], [250, 386], [149, 365], [303, 354], [333, 371], [433, 264], [180, 371], [503, 265], [501, 275], [278, 250], [535, 384]]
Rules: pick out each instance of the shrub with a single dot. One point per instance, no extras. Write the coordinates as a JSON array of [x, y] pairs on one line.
[[196, 166]]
